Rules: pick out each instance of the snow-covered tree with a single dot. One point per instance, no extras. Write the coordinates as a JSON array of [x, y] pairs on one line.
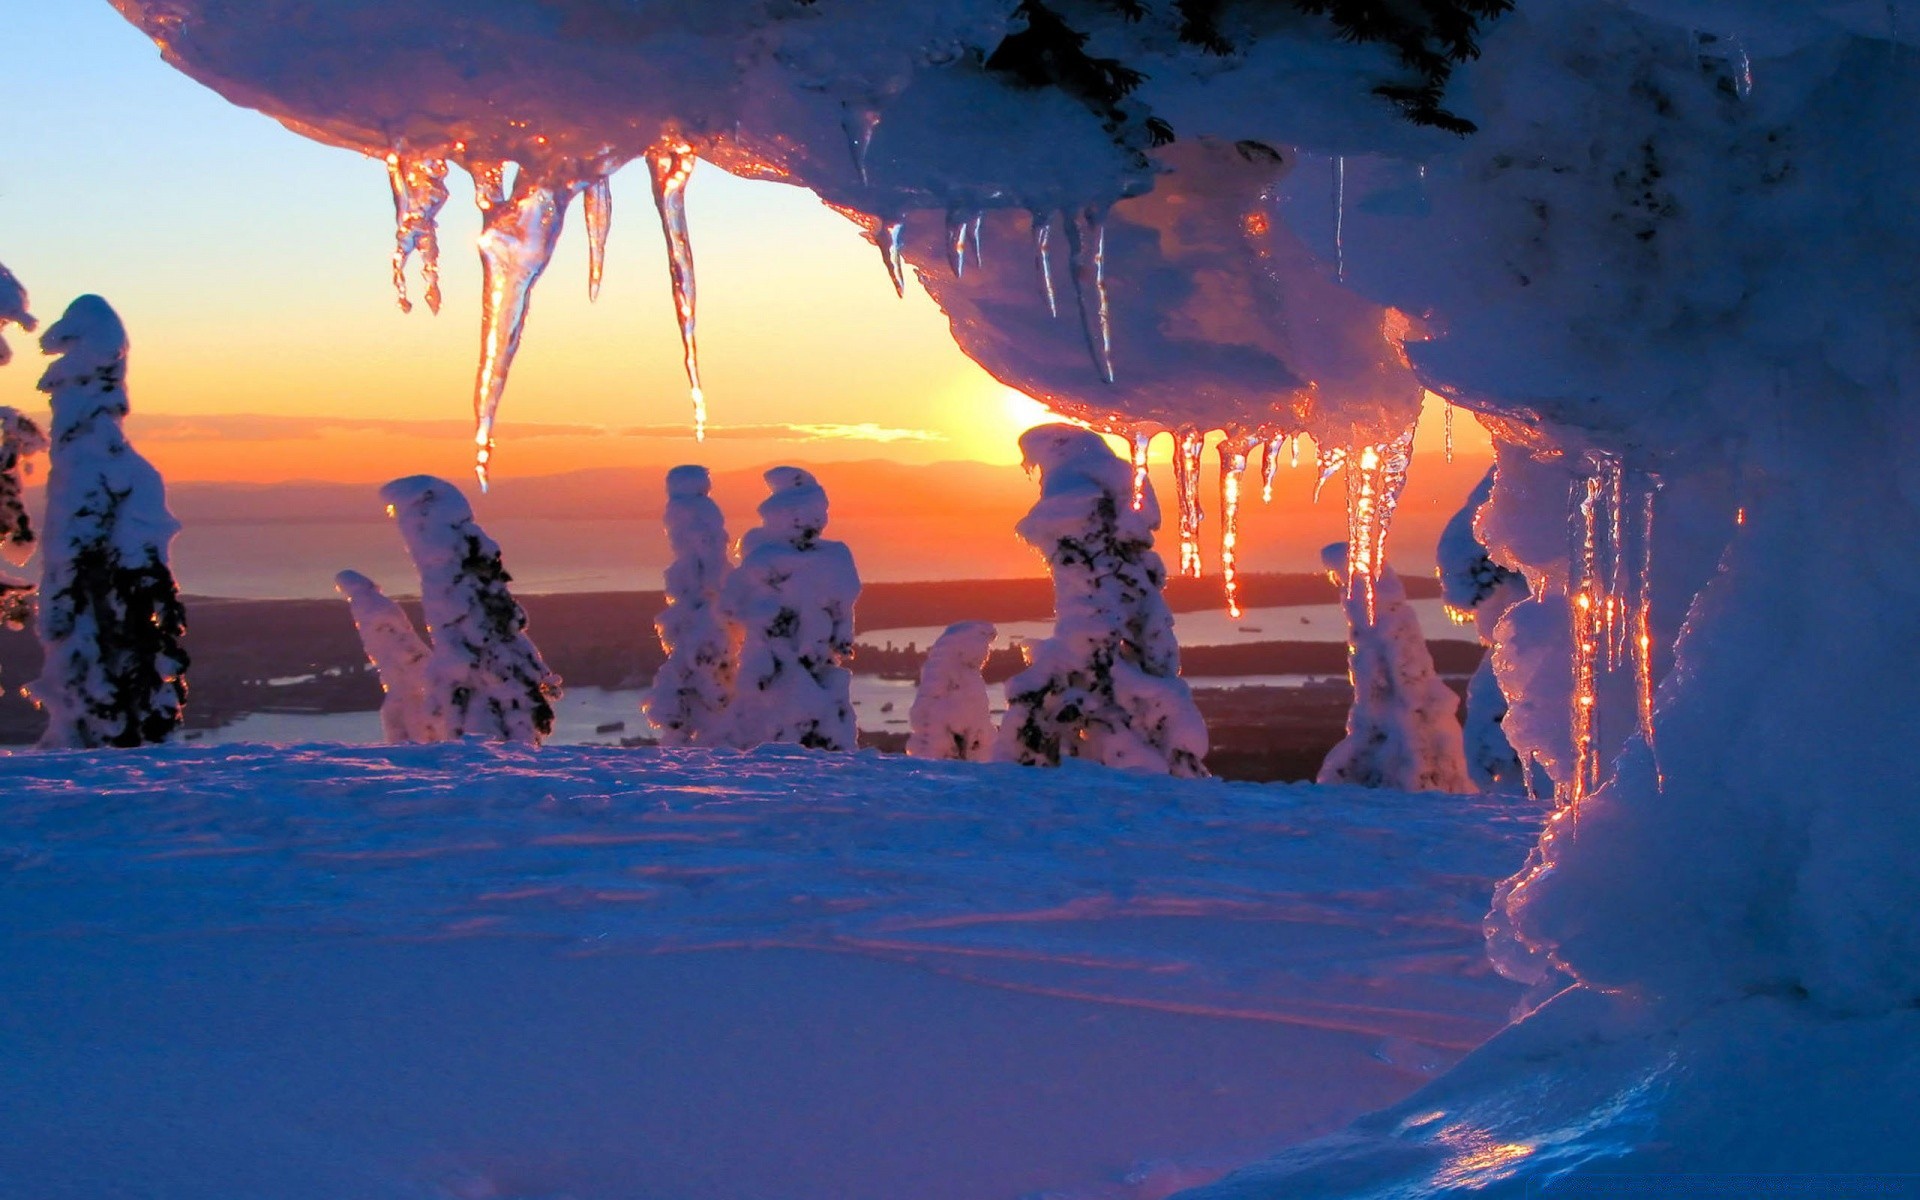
[[790, 602], [1402, 731], [397, 652], [19, 438], [484, 677], [951, 716], [690, 693], [13, 311], [110, 617], [1480, 590], [1106, 686]]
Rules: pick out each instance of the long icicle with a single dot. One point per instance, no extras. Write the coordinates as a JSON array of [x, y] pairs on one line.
[[1142, 443], [419, 193], [1586, 499], [598, 204], [1447, 419], [671, 164], [1376, 479], [889, 239], [1187, 457], [1233, 465], [517, 237], [1340, 217], [1042, 253], [1648, 489], [1087, 255], [1269, 463]]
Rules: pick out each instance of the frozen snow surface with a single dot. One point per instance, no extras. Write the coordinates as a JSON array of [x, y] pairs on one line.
[[455, 971]]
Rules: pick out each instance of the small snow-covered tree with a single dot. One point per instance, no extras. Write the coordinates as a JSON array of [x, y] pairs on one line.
[[484, 677], [790, 602], [397, 652], [1106, 686], [951, 716], [19, 438], [110, 617], [690, 693], [1402, 731], [13, 311], [1478, 589]]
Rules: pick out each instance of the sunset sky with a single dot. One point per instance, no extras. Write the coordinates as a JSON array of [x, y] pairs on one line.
[[251, 266]]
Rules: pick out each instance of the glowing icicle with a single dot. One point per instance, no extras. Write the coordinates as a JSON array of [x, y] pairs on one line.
[[1294, 457], [1642, 638], [1087, 254], [419, 193], [1587, 497], [979, 258], [1042, 253], [1447, 428], [1233, 465], [1328, 461], [517, 237], [1187, 457], [489, 184], [859, 121], [1742, 68], [957, 229], [599, 212], [1376, 478], [1614, 480], [671, 165], [1142, 442], [1340, 217], [1269, 462], [892, 234]]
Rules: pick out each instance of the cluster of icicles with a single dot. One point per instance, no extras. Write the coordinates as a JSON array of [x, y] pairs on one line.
[[1376, 476], [1612, 523], [520, 226]]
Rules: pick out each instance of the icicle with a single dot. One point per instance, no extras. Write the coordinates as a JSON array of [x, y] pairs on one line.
[[1447, 428], [1186, 478], [1742, 68], [1142, 442], [1649, 487], [1613, 479], [419, 193], [859, 121], [1042, 239], [1087, 254], [516, 243], [957, 229], [1340, 217], [1294, 458], [1233, 465], [1587, 497], [891, 235], [489, 184], [1269, 460], [1376, 478], [599, 211], [1328, 461], [979, 259], [671, 165]]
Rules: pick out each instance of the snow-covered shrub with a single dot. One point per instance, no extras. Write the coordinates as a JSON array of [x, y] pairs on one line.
[[1402, 731], [1480, 590], [951, 716], [790, 603], [1106, 686], [110, 618], [690, 693], [397, 652], [484, 677]]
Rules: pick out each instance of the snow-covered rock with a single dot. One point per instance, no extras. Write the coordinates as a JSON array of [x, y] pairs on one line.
[[790, 604], [688, 701], [1106, 685], [484, 677], [951, 714]]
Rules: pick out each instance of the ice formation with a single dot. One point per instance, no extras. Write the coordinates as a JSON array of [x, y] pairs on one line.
[[110, 619], [789, 604], [397, 652], [1403, 731], [484, 677], [419, 193], [950, 717], [1479, 591], [687, 703], [1106, 685]]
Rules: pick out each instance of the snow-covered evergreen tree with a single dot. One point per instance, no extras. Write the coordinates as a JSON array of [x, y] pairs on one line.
[[110, 618], [13, 311], [19, 438], [790, 602], [397, 652], [690, 693], [1106, 686], [951, 716], [1403, 731], [1477, 588], [484, 676]]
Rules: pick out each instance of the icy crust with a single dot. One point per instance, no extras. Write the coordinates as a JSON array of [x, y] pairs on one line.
[[1403, 731], [789, 607], [1106, 685], [951, 713], [688, 700], [398, 653], [484, 676]]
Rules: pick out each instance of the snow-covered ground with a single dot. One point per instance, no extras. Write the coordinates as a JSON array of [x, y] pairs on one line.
[[467, 973]]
